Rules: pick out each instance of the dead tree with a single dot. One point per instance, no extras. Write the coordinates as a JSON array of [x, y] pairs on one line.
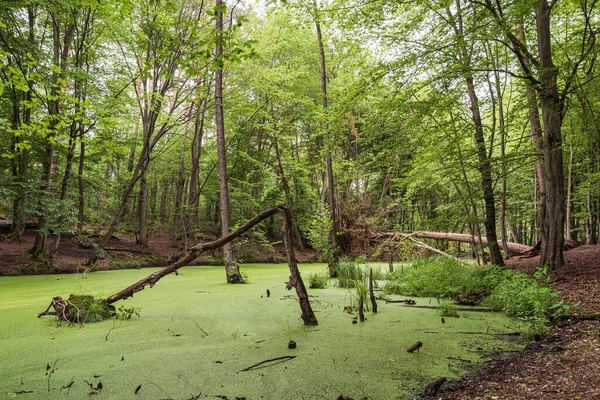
[[371, 294], [515, 248], [295, 280]]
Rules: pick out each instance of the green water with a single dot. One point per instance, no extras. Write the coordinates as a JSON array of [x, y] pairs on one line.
[[196, 333]]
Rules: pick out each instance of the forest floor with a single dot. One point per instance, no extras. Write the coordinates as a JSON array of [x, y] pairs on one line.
[[124, 253], [563, 365]]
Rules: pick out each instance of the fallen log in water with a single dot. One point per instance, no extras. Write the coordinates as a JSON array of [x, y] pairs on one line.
[[295, 280]]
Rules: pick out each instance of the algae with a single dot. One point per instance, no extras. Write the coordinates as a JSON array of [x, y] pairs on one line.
[[196, 333]]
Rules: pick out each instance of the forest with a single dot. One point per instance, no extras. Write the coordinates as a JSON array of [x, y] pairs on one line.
[[370, 130]]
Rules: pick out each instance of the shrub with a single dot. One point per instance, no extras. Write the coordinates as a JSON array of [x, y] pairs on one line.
[[435, 277], [317, 281], [85, 308], [514, 293], [522, 297], [448, 309], [528, 300]]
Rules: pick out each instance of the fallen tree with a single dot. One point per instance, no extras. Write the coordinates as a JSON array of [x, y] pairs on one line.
[[295, 280], [515, 248]]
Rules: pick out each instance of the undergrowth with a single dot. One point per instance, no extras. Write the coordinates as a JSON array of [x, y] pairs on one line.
[[351, 273], [440, 277], [531, 300], [317, 281]]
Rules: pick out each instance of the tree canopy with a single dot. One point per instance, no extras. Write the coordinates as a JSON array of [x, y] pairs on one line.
[[463, 116]]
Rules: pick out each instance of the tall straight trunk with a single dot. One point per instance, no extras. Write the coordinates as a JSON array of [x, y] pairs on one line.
[[589, 223], [142, 237], [131, 157], [569, 210], [502, 128], [484, 164], [80, 185], [193, 201], [19, 166], [232, 270], [485, 169], [551, 104], [288, 197], [179, 189], [61, 53], [162, 207], [23, 116], [63, 187], [538, 142], [329, 179]]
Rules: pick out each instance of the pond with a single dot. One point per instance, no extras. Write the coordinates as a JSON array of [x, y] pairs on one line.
[[196, 334]]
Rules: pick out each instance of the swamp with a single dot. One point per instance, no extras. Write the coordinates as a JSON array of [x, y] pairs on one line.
[[196, 334]]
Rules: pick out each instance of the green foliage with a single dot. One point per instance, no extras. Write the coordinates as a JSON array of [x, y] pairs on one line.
[[318, 233], [448, 309], [436, 277], [245, 276], [379, 274], [514, 293], [350, 274], [88, 309], [525, 298], [126, 313], [317, 281], [362, 292]]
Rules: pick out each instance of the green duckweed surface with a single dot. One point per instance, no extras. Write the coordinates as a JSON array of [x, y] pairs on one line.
[[196, 334]]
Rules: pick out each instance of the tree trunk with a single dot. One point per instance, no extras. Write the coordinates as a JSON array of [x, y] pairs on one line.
[[474, 226], [502, 127], [308, 316], [538, 141], [179, 188], [286, 191], [232, 270], [80, 184], [61, 53], [196, 150], [554, 221], [457, 237], [589, 223], [19, 164], [333, 263], [371, 294], [361, 310], [484, 165], [142, 238], [569, 209]]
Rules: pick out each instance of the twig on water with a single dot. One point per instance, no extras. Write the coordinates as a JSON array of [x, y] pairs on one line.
[[282, 358]]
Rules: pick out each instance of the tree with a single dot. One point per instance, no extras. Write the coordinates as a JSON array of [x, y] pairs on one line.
[[552, 102], [484, 165], [232, 270], [330, 181]]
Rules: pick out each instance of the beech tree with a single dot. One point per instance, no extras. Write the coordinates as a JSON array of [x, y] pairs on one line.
[[231, 268], [552, 103]]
